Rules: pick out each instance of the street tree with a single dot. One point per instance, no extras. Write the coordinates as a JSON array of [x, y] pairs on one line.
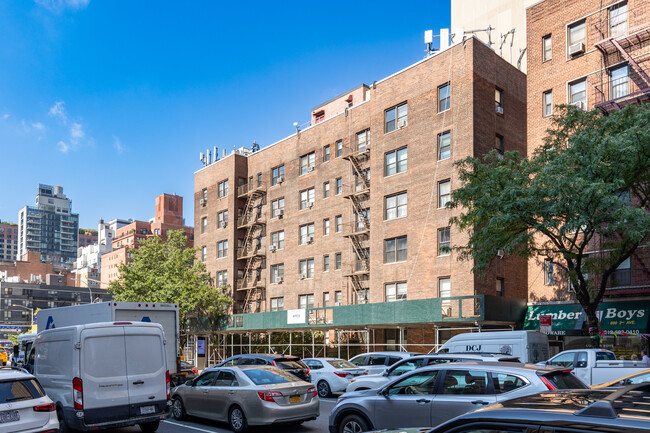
[[580, 201], [213, 305]]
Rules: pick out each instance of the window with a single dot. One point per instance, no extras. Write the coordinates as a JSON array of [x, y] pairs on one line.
[[277, 304], [444, 98], [498, 99], [339, 148], [204, 224], [444, 290], [337, 261], [578, 93], [396, 117], [277, 175], [395, 250], [418, 384], [307, 163], [395, 161], [326, 299], [222, 278], [395, 206], [620, 82], [319, 116], [277, 239], [444, 145], [500, 288], [326, 153], [339, 185], [618, 19], [277, 273], [444, 193], [361, 218], [395, 291], [338, 223], [307, 198], [444, 241], [363, 140], [306, 234], [204, 253], [326, 190], [338, 298], [326, 227], [259, 179], [277, 207], [547, 99], [306, 301], [222, 187], [498, 144], [326, 263], [547, 52], [577, 35], [549, 273], [222, 249], [204, 194], [222, 219], [306, 269], [465, 382]]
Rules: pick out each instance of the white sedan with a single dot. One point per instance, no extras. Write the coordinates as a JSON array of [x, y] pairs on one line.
[[332, 374]]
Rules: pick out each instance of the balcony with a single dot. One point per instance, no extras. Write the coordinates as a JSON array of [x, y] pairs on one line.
[[250, 189], [251, 283], [615, 94], [623, 29], [244, 253], [635, 281]]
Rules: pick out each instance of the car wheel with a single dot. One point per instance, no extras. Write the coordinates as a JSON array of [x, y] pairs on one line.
[[178, 410], [324, 389], [237, 420], [63, 426], [149, 427], [353, 424]]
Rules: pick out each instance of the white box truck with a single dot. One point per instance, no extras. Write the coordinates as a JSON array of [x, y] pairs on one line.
[[164, 314], [104, 375], [528, 346]]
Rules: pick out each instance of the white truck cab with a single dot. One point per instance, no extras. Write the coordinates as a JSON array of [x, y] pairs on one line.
[[528, 346], [105, 375]]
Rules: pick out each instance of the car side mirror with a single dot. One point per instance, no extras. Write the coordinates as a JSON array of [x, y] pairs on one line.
[[385, 373], [190, 382], [383, 391]]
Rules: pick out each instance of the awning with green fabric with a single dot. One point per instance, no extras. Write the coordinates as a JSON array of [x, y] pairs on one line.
[[629, 317]]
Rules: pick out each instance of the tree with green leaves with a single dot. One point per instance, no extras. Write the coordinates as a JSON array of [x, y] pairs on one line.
[[166, 271], [580, 201]]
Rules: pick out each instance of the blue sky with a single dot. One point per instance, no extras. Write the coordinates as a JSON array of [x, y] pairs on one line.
[[114, 100]]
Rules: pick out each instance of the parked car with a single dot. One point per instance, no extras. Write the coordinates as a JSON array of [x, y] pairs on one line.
[[24, 407], [528, 346], [631, 379], [595, 366], [246, 396], [332, 374], [4, 356], [378, 362], [374, 381], [292, 364], [186, 372], [431, 395], [621, 411]]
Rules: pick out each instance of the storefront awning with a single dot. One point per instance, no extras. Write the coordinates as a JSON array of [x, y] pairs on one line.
[[626, 317]]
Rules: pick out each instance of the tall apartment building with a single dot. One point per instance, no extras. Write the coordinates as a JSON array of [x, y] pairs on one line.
[[168, 216], [8, 242], [340, 220], [50, 228], [86, 239], [592, 54]]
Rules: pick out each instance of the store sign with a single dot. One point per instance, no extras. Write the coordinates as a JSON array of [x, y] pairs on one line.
[[545, 323], [295, 317]]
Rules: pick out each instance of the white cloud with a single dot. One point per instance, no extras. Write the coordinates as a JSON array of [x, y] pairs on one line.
[[117, 144], [58, 110], [5, 116], [59, 5], [38, 125], [63, 148], [76, 133]]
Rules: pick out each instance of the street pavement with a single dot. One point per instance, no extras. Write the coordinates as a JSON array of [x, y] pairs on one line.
[[197, 425]]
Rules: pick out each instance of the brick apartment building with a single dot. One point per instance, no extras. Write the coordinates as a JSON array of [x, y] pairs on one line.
[[30, 269], [8, 241], [302, 225], [168, 216], [86, 239], [589, 53]]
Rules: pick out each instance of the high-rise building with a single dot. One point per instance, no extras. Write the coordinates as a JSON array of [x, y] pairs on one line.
[[8, 242], [50, 228]]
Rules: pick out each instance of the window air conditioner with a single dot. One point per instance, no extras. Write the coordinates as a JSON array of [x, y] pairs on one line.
[[577, 48], [223, 224], [310, 204], [279, 280], [302, 276], [310, 240], [499, 109], [580, 104], [202, 201], [336, 304], [273, 247], [280, 179], [279, 213], [401, 124], [310, 169]]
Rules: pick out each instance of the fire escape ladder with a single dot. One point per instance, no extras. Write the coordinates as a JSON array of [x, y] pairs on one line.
[[632, 62], [251, 251]]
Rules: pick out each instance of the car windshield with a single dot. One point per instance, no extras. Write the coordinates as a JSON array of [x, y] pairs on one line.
[[565, 380], [269, 377], [17, 390], [605, 356], [289, 364], [340, 363]]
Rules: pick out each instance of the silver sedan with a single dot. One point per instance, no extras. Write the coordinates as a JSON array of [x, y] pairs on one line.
[[246, 396]]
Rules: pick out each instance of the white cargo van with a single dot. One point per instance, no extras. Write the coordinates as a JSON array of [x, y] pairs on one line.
[[528, 346], [105, 375]]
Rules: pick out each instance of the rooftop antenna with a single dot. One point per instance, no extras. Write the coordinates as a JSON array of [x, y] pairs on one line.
[[216, 154], [488, 30], [202, 159], [428, 40], [207, 152], [504, 38]]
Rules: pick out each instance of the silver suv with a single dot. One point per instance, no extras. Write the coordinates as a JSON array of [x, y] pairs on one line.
[[374, 381], [24, 407]]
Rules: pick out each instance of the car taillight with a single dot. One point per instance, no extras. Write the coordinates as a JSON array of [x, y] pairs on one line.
[[341, 373], [306, 371], [50, 407], [269, 395], [548, 383], [195, 371], [274, 364], [168, 383], [313, 391], [77, 393]]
